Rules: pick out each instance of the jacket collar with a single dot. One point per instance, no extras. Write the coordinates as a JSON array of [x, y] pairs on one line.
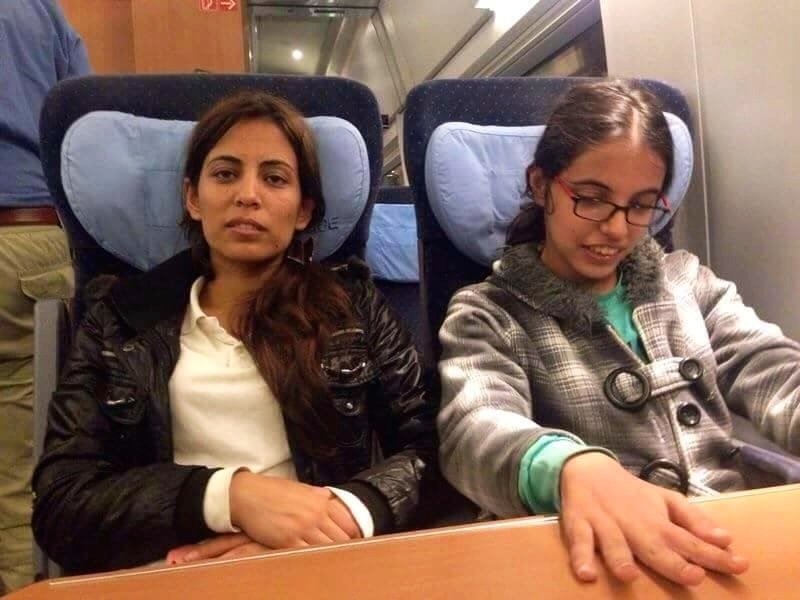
[[148, 298], [163, 292], [521, 273]]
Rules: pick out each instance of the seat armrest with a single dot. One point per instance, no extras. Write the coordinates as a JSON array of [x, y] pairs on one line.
[[771, 468], [746, 432], [50, 345], [764, 462]]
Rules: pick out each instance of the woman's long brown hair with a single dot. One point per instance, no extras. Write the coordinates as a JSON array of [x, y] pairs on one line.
[[287, 324]]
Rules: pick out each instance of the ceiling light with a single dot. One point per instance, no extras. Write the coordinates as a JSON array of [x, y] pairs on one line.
[[297, 54]]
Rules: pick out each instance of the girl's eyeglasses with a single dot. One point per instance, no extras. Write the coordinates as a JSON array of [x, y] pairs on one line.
[[640, 212]]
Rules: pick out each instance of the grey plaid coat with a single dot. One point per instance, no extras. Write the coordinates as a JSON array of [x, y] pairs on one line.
[[526, 353]]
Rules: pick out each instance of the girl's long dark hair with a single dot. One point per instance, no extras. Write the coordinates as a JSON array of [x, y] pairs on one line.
[[287, 324], [590, 114]]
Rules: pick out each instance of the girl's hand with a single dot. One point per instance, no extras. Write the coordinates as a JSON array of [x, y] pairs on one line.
[[605, 507], [280, 513]]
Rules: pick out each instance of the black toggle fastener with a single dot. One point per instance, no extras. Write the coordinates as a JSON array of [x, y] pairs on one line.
[[620, 401], [667, 465]]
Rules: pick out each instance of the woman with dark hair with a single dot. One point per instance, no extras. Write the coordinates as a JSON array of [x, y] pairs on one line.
[[228, 401], [590, 366]]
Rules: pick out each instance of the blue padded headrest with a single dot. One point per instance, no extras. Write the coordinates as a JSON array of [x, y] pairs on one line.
[[122, 176], [475, 180], [392, 243]]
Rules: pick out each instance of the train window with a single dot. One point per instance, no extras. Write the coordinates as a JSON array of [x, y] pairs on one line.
[[295, 38], [325, 37], [584, 56]]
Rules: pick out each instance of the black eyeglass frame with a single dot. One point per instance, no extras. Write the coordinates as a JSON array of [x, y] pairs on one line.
[[657, 211]]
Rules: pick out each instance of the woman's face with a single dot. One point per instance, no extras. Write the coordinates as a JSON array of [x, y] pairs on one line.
[[625, 171], [248, 198]]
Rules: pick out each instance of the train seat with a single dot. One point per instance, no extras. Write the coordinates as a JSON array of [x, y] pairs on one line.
[[111, 151], [506, 102], [183, 98], [392, 255], [467, 143]]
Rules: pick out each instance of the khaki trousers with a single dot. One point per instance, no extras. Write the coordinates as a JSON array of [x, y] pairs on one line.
[[34, 265]]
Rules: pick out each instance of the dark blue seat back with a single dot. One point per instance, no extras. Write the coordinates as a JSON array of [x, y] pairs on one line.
[[404, 296], [395, 194], [504, 101], [185, 97]]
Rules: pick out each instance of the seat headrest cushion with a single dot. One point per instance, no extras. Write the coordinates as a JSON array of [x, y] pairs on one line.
[[475, 180], [122, 176]]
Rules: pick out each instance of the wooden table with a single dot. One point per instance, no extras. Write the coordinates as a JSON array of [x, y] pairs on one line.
[[517, 558]]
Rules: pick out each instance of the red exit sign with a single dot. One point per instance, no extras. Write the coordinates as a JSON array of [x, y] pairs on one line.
[[216, 5]]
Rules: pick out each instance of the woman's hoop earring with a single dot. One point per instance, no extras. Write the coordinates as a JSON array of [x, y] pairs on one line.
[[528, 193], [301, 250]]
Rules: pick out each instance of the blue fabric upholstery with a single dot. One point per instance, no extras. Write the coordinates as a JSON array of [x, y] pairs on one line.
[[502, 101], [476, 184], [392, 243], [141, 160], [184, 97], [393, 258]]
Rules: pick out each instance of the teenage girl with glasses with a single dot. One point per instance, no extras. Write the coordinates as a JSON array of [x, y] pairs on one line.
[[592, 374]]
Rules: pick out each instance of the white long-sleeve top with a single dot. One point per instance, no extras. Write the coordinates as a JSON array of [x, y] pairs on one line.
[[225, 415]]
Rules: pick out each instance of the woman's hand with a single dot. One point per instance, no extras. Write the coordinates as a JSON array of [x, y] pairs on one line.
[[605, 507], [227, 545], [280, 513], [341, 515], [238, 545]]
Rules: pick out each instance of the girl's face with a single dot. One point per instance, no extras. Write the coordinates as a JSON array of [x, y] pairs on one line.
[[625, 171], [248, 197]]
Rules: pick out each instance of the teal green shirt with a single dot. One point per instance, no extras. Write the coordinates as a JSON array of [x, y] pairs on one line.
[[540, 468], [619, 314], [540, 471], [539, 479]]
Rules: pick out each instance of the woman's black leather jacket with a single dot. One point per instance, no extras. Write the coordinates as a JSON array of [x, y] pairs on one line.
[[107, 492]]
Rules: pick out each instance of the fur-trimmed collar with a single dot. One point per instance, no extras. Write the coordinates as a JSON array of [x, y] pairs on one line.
[[521, 273]]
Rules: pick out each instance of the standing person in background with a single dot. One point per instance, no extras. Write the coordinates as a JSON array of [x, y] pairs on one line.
[[38, 48]]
